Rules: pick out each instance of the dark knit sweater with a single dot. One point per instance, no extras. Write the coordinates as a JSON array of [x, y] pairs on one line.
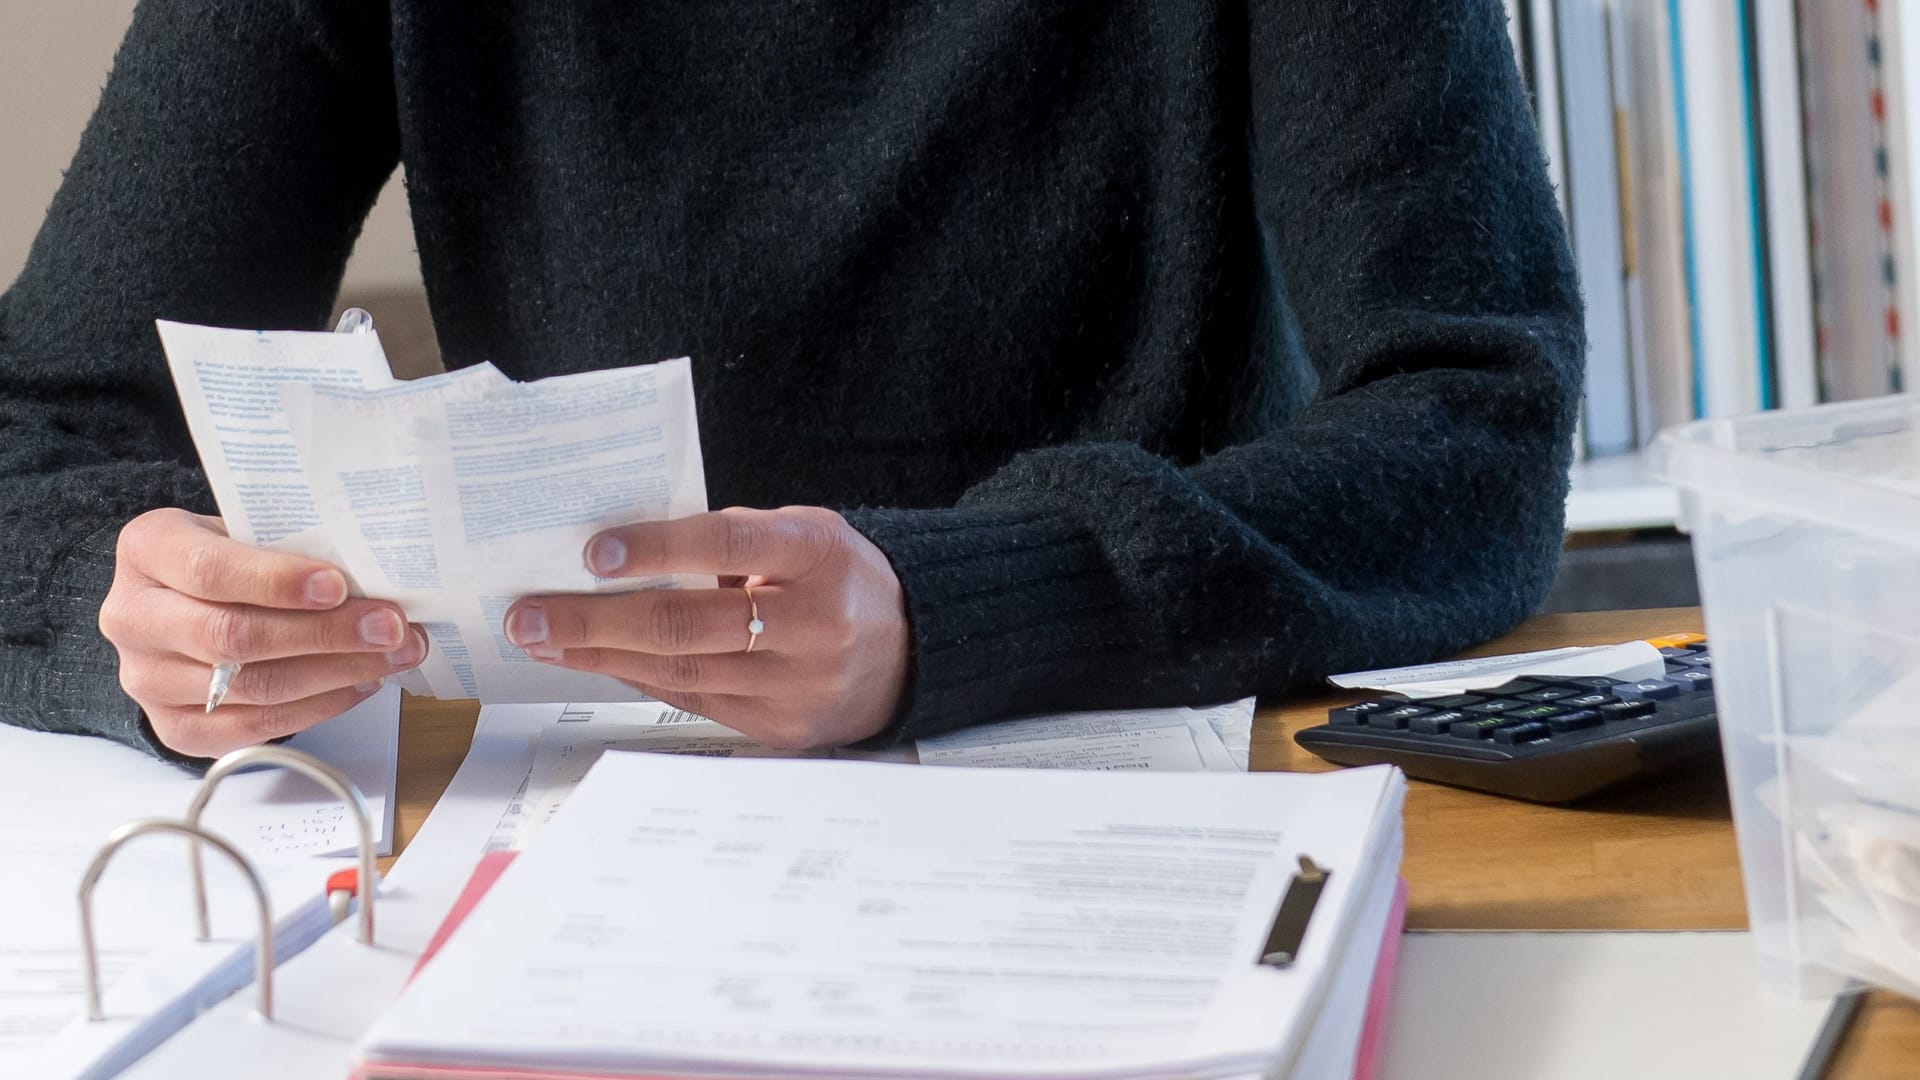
[[1172, 350]]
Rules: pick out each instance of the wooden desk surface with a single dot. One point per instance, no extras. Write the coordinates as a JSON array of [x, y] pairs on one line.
[[1658, 858]]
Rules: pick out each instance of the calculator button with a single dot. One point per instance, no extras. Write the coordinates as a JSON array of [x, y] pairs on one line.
[[1551, 693], [1354, 714], [1700, 661], [1495, 707], [1586, 701], [1533, 713], [1395, 718], [1453, 701], [1652, 689], [1436, 723], [1574, 721], [1697, 679], [1521, 733], [1479, 728], [1675, 652], [1627, 710]]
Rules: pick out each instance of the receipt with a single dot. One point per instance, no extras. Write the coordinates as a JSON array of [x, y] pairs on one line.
[[452, 496], [1630, 662]]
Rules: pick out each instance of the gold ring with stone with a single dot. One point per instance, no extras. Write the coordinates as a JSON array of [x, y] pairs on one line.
[[754, 626]]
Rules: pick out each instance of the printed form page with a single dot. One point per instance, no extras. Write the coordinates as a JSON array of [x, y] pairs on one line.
[[229, 384], [781, 916], [1181, 739]]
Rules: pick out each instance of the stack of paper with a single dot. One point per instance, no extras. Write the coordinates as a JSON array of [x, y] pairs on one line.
[[452, 496], [784, 918]]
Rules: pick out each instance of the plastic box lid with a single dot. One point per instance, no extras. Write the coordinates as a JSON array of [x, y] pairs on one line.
[[1854, 465]]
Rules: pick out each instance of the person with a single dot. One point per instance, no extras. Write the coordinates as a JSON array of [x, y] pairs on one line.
[[1048, 355]]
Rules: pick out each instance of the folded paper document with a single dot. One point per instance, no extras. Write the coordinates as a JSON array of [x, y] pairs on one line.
[[452, 496]]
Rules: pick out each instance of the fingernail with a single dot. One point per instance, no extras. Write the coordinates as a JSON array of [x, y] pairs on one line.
[[326, 588], [414, 651], [545, 653], [381, 629], [606, 554], [369, 687], [527, 625]]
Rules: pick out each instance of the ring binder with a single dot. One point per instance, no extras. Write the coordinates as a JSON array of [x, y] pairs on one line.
[[167, 990], [317, 1022], [263, 951], [322, 773]]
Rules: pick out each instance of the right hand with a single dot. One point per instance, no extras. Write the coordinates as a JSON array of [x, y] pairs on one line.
[[186, 596]]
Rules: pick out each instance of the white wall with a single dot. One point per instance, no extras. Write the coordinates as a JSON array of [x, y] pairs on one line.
[[54, 55]]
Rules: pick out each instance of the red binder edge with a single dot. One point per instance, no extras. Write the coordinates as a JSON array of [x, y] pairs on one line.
[[1373, 1034], [485, 873]]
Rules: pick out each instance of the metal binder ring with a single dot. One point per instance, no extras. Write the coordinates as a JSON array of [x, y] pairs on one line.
[[327, 776], [263, 949]]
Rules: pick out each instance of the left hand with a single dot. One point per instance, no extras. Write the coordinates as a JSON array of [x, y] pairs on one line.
[[829, 667]]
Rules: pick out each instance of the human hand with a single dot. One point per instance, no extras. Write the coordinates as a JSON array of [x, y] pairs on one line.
[[185, 596], [828, 669]]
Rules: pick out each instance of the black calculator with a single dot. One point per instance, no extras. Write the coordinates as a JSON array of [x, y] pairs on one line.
[[1547, 739]]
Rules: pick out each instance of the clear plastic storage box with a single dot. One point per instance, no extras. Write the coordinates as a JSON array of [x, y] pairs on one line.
[[1806, 535]]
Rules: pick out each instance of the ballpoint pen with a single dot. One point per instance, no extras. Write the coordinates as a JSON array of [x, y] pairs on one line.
[[352, 321]]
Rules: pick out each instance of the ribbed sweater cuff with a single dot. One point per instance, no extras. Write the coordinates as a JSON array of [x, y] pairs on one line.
[[79, 674], [1007, 609]]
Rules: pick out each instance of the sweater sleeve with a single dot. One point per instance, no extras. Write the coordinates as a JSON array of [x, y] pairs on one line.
[[236, 149], [1412, 508]]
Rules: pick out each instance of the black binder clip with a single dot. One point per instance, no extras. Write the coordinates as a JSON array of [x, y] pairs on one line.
[[1296, 908]]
